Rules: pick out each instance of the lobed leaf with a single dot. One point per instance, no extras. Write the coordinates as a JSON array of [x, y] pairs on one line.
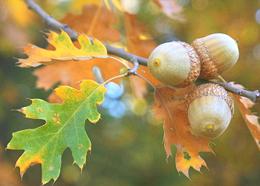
[[64, 128], [93, 20], [64, 50]]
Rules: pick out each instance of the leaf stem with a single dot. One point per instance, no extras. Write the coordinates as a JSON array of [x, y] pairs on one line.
[[146, 80], [114, 78]]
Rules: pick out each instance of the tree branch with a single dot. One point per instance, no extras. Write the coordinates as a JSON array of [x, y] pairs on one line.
[[252, 95], [57, 26]]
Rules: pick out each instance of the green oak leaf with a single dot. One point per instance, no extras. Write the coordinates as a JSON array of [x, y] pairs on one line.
[[64, 128]]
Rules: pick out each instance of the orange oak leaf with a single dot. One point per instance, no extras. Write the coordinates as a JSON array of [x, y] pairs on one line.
[[171, 108], [70, 72], [251, 120]]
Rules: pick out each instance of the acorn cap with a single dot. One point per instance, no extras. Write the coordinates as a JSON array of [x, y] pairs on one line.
[[218, 52], [174, 63], [211, 89], [209, 109]]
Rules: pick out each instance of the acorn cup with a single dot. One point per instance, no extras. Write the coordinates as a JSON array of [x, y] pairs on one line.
[[174, 63], [210, 109], [217, 52]]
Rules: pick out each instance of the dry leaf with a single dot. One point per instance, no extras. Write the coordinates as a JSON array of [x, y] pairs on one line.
[[251, 120], [170, 107], [70, 72]]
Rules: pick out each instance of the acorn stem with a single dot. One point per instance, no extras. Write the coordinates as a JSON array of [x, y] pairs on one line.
[[222, 79]]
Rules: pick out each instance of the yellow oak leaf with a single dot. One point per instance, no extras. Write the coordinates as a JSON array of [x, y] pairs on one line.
[[69, 72], [64, 50]]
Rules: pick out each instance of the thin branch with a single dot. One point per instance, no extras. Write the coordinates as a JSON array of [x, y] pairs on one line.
[[133, 71], [252, 95], [57, 26]]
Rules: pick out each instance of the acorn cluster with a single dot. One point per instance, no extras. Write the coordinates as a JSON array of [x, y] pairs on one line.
[[178, 64]]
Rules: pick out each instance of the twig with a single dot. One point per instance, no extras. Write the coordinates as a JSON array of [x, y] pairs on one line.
[[133, 71], [252, 95], [57, 26]]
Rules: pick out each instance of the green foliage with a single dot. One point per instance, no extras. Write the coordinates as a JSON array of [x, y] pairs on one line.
[[64, 128]]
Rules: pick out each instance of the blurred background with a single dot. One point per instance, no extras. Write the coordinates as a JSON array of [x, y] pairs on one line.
[[127, 148]]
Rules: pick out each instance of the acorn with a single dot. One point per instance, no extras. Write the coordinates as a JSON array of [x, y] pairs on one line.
[[210, 109], [174, 63], [217, 52]]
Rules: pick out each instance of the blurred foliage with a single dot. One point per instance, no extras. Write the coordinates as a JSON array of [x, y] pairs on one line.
[[129, 151]]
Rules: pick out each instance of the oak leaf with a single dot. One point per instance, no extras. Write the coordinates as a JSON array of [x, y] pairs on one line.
[[93, 20], [64, 128], [171, 108], [251, 120], [64, 50], [70, 72]]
